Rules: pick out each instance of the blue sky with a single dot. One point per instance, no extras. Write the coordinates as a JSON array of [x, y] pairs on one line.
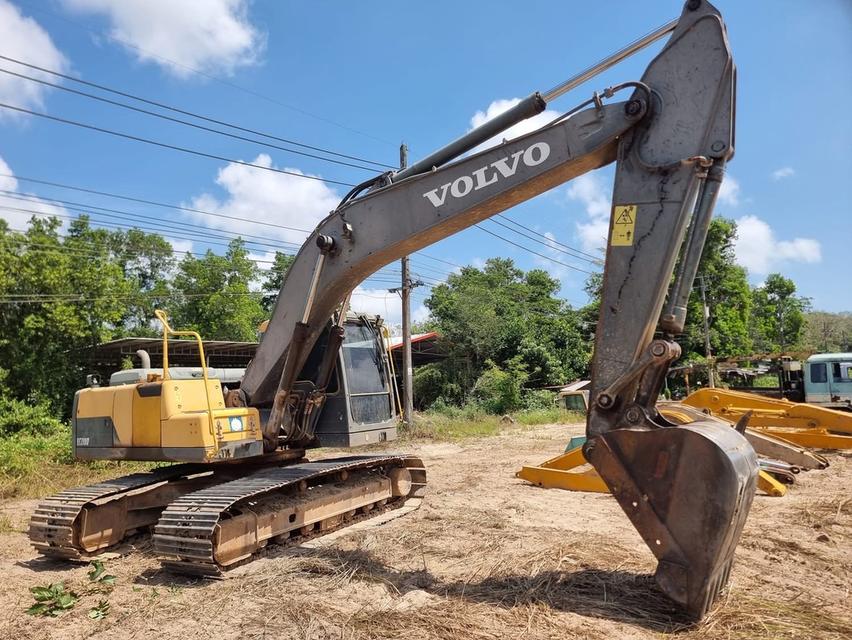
[[359, 78]]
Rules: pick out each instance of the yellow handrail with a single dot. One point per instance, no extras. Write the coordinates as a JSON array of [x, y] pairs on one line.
[[386, 341], [167, 331]]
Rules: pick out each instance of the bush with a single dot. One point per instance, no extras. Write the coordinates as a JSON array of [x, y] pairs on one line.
[[22, 454], [499, 391], [538, 399], [31, 419], [428, 384]]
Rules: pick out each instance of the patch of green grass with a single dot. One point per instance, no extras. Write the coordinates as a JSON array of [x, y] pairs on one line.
[[458, 423], [33, 465], [766, 381]]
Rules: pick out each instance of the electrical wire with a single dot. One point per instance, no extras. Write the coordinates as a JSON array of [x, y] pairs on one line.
[[184, 122], [582, 255], [541, 255], [166, 145], [210, 76]]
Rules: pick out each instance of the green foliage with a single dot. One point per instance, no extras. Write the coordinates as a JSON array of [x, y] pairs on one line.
[[501, 315], [779, 315], [52, 600], [828, 332], [275, 278], [97, 573], [538, 399], [72, 291], [499, 391], [429, 384], [729, 298], [214, 295], [24, 454], [28, 419], [100, 611]]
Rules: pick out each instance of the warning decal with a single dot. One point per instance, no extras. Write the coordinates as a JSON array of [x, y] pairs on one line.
[[624, 221]]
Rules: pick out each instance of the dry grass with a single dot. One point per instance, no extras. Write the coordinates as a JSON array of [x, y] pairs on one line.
[[51, 477]]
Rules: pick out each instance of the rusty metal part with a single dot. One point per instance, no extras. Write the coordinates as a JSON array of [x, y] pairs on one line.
[[82, 521], [204, 532], [687, 490]]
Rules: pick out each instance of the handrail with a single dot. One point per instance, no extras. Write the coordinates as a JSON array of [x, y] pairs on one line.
[[167, 331]]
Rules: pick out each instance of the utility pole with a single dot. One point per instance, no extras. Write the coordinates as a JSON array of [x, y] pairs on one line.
[[405, 292], [711, 377]]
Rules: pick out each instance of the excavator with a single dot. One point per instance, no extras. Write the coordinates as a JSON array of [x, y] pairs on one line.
[[242, 480]]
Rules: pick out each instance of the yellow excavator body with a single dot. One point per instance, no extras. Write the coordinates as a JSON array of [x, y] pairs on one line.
[[168, 420]]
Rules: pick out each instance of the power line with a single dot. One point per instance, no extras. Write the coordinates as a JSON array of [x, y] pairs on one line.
[[122, 215], [183, 122], [588, 257], [169, 227], [148, 202], [162, 205], [166, 145], [185, 112], [154, 203], [542, 242], [536, 253], [228, 83]]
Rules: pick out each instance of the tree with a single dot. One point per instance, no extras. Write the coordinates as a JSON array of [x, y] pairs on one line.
[[275, 278], [778, 319], [498, 315], [728, 298], [147, 261], [215, 297], [828, 332], [62, 295]]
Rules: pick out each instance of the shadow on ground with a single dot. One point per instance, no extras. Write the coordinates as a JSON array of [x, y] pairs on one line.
[[616, 595]]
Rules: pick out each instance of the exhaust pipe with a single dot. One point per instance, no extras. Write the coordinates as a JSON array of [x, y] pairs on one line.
[[144, 358]]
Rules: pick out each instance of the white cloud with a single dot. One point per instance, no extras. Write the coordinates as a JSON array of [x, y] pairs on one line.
[[590, 190], [33, 204], [525, 126], [783, 172], [23, 38], [729, 192], [760, 252], [180, 247], [377, 302], [213, 35], [254, 196]]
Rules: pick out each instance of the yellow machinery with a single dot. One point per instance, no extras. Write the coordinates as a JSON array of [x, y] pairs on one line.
[[571, 471], [164, 418], [798, 422]]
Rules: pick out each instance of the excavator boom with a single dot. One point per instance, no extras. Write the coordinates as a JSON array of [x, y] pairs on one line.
[[686, 488]]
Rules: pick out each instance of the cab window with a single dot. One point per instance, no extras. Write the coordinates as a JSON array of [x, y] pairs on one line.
[[841, 371], [819, 372]]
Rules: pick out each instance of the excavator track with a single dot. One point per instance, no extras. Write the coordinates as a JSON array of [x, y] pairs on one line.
[[207, 531], [84, 521], [58, 528]]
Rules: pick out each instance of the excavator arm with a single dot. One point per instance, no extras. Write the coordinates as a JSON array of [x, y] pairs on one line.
[[688, 488]]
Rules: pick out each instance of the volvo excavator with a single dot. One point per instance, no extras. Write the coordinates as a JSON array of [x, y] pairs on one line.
[[243, 482]]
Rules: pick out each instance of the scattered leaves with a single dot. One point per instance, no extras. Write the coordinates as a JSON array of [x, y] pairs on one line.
[[52, 600], [98, 574], [100, 611]]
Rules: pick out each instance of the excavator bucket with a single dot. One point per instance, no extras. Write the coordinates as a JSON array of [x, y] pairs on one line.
[[687, 490]]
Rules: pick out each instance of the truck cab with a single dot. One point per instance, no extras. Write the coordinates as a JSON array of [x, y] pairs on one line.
[[828, 380]]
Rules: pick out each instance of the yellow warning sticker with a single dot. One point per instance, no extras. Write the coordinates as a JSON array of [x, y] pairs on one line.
[[623, 224]]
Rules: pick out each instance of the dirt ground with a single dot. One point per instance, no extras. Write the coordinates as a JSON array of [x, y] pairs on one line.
[[485, 556]]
